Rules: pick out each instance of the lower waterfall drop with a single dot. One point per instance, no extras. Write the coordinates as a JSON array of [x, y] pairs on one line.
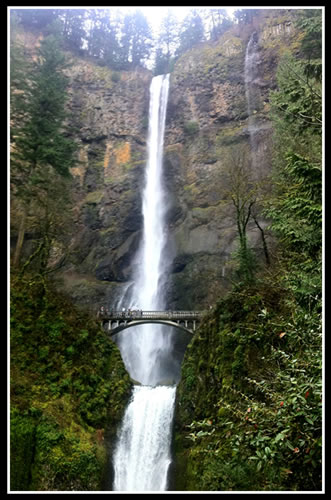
[[141, 457]]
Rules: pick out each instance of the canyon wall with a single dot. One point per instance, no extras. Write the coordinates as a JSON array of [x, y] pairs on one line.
[[207, 118]]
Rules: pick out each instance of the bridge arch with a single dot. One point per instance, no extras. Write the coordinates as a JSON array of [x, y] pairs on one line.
[[123, 325], [117, 321]]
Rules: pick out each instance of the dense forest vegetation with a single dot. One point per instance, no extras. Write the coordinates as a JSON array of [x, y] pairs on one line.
[[249, 414], [250, 398], [123, 41]]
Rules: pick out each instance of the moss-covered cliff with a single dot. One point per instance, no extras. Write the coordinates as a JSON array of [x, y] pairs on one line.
[[249, 404], [248, 407], [69, 389]]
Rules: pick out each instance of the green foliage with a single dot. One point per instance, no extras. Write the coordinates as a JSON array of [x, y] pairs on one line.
[[246, 263], [166, 44], [310, 22], [191, 127], [191, 33], [298, 100], [296, 213], [115, 77], [42, 153], [122, 41], [253, 414], [41, 140], [67, 382], [22, 442], [137, 38], [249, 405]]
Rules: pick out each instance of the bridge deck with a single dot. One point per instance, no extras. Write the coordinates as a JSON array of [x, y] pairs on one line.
[[160, 315]]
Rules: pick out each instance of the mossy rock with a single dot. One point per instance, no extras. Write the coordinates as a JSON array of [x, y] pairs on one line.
[[94, 197]]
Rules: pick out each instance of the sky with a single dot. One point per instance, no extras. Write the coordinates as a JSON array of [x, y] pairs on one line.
[[154, 15]]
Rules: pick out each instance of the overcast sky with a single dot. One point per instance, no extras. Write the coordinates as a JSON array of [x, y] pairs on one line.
[[154, 14]]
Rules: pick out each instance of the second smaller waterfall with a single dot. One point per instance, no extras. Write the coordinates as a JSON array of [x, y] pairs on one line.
[[251, 69], [253, 97]]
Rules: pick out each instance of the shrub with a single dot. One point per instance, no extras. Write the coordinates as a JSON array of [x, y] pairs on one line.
[[191, 127]]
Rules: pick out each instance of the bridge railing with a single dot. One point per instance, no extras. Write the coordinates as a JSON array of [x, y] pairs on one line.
[[139, 314]]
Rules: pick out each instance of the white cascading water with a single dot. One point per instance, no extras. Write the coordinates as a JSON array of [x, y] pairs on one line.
[[251, 66], [252, 93], [142, 454]]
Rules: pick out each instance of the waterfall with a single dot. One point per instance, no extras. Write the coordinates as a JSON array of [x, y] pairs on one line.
[[252, 59], [142, 454], [142, 457], [251, 64]]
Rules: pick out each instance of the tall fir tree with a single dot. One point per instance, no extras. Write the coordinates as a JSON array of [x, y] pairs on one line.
[[167, 44], [41, 144], [191, 33], [136, 41]]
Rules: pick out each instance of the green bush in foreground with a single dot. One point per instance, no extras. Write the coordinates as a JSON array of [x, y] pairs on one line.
[[68, 387]]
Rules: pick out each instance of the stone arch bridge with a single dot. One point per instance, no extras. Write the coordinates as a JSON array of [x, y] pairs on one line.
[[117, 321]]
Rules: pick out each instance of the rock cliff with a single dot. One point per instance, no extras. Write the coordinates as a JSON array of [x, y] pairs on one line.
[[207, 116], [218, 103], [109, 119]]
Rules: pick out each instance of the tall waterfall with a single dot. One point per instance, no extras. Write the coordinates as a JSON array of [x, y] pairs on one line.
[[251, 65], [142, 454], [252, 58]]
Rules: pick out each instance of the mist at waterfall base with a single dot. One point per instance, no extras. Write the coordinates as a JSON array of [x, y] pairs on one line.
[[142, 455]]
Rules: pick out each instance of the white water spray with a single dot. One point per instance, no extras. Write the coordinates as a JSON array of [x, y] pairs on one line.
[[252, 92], [142, 455], [251, 65]]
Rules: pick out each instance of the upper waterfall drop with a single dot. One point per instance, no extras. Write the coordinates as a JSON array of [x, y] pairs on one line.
[[145, 351], [147, 290], [251, 61]]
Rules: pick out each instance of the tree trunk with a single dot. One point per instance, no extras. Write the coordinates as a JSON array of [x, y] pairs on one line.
[[264, 243], [20, 239]]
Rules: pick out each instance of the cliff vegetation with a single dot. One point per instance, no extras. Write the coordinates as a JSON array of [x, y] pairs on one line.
[[69, 389], [244, 218], [249, 404]]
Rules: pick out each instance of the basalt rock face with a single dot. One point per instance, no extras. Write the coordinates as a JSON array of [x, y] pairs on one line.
[[207, 116], [109, 119]]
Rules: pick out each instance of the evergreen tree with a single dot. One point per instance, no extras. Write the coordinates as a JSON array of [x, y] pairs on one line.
[[296, 206], [161, 64], [136, 41], [245, 16], [73, 28], [220, 22], [98, 20], [299, 99], [191, 33], [167, 44], [310, 21], [41, 144]]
